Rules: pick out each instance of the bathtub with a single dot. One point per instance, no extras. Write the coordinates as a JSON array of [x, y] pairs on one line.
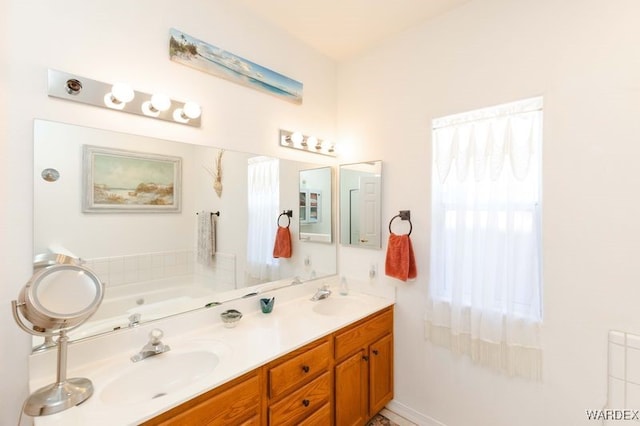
[[151, 300]]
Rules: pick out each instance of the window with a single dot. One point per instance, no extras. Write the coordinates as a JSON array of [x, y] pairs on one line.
[[485, 286]]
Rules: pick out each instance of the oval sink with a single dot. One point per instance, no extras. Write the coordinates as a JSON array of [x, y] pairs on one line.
[[158, 375], [336, 305]]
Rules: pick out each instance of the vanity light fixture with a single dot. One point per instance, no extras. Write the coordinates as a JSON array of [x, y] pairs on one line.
[[121, 97], [297, 140]]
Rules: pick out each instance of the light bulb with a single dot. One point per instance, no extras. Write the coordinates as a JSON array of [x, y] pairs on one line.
[[191, 110], [160, 102], [121, 93], [312, 141], [297, 138]]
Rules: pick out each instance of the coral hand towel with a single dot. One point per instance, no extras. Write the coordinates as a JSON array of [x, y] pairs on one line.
[[400, 262], [282, 245]]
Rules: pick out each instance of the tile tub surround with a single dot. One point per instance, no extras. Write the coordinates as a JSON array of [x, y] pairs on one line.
[[256, 340], [121, 270], [623, 371]]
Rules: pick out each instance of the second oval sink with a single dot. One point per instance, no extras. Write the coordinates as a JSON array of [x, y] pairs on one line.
[[158, 376]]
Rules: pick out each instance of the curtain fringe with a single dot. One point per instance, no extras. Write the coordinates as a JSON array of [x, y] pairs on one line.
[[514, 360]]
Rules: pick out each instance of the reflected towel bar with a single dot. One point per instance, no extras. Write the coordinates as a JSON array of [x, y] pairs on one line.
[[213, 213]]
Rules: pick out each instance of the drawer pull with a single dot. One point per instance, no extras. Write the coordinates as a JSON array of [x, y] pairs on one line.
[[375, 352], [305, 402], [305, 368], [365, 358]]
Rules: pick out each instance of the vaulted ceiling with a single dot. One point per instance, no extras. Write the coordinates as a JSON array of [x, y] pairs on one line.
[[343, 28]]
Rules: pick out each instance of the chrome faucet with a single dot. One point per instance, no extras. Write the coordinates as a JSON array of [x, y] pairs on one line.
[[153, 347], [322, 293]]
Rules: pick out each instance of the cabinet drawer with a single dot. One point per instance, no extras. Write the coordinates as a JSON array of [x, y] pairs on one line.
[[292, 373], [302, 402], [322, 417], [362, 335], [239, 405]]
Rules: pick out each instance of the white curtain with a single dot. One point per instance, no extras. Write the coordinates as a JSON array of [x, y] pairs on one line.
[[485, 284], [263, 200]]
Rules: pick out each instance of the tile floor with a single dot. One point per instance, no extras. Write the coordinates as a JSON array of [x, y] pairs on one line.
[[389, 418]]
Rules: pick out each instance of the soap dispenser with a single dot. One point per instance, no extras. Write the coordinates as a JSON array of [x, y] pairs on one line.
[[344, 288]]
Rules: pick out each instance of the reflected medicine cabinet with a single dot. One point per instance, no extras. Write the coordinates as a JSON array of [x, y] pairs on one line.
[[310, 205]]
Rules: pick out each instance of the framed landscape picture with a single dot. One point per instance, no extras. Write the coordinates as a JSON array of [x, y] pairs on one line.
[[118, 180]]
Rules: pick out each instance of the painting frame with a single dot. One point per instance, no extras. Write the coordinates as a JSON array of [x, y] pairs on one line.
[[124, 181], [194, 53]]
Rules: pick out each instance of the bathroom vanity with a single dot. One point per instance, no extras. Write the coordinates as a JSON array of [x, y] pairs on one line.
[[349, 372], [306, 363]]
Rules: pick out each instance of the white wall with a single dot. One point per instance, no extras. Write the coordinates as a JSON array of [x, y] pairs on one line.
[[123, 40], [583, 57]]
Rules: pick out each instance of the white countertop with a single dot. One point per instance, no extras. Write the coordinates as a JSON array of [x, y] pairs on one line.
[[257, 339]]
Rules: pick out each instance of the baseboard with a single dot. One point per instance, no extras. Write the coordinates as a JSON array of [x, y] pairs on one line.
[[412, 415]]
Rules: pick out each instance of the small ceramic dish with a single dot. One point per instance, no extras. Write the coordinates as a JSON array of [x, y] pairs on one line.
[[231, 318]]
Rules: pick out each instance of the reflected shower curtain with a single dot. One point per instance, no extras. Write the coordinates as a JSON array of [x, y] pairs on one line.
[[263, 200]]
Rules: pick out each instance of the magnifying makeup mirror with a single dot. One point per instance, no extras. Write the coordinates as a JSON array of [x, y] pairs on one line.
[[60, 296]]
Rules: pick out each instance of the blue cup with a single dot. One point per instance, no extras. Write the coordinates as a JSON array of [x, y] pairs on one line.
[[267, 305]]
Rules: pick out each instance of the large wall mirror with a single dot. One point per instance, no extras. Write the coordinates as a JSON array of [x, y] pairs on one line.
[[360, 204], [150, 256]]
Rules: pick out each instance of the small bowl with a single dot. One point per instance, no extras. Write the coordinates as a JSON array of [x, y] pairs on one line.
[[231, 318]]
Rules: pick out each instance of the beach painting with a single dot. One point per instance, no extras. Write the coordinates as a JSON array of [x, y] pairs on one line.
[[126, 181], [205, 57]]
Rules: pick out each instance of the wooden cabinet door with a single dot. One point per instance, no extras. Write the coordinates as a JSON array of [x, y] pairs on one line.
[[236, 405], [380, 374], [301, 403], [322, 417], [351, 390]]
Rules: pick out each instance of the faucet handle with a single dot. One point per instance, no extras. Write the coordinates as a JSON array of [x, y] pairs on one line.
[[155, 336], [134, 319]]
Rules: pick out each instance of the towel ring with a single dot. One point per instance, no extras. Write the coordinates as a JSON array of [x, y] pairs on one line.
[[288, 214], [404, 215]]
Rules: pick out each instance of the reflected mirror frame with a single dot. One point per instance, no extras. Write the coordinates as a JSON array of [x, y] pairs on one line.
[[349, 195]]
